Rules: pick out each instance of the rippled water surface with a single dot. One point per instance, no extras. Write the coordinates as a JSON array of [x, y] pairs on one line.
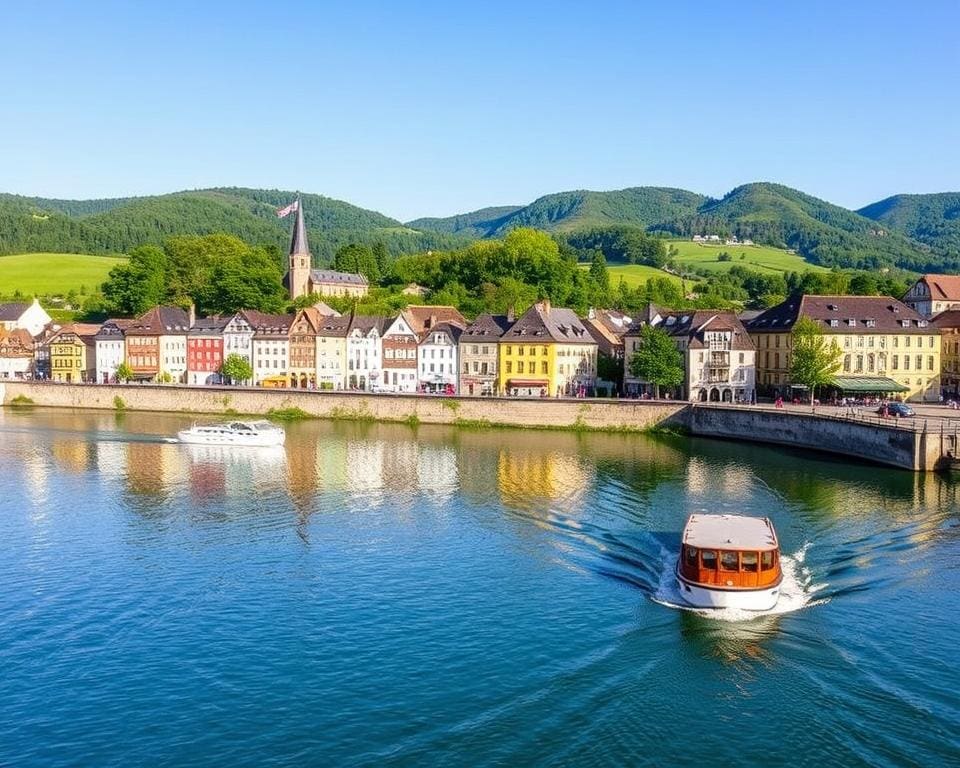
[[377, 595]]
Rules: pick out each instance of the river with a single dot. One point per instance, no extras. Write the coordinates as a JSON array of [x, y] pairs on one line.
[[386, 595]]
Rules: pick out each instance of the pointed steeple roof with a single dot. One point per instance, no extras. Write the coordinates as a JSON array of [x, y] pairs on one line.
[[298, 243]]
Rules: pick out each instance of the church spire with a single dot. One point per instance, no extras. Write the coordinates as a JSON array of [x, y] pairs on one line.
[[298, 243]]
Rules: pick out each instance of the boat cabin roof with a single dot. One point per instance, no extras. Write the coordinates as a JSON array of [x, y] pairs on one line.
[[729, 532]]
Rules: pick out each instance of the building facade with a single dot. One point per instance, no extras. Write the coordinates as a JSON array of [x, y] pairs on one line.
[[16, 354], [73, 354], [399, 356], [27, 316], [156, 344], [331, 351], [478, 355], [547, 352], [948, 324], [205, 351], [365, 352], [881, 340], [110, 349], [303, 349], [238, 339], [271, 347], [437, 359]]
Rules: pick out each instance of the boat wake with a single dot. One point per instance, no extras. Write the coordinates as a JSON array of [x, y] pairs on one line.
[[797, 590]]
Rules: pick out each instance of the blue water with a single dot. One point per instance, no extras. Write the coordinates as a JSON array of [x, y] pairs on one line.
[[375, 595]]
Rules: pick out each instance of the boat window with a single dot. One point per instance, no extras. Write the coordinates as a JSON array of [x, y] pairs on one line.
[[690, 553], [729, 561], [748, 561], [709, 559], [766, 560]]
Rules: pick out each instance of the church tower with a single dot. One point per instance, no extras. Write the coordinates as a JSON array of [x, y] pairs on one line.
[[298, 272]]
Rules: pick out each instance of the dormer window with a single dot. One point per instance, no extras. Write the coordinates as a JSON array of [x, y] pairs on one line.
[[905, 323], [834, 322], [851, 322], [832, 307], [870, 322], [921, 323]]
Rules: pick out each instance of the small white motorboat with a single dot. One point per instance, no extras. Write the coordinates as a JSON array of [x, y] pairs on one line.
[[730, 561], [257, 434]]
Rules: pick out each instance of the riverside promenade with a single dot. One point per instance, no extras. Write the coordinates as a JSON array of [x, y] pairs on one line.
[[922, 444]]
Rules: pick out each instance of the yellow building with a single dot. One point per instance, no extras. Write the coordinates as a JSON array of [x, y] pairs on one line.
[[73, 353], [949, 325], [548, 351], [331, 351], [886, 346]]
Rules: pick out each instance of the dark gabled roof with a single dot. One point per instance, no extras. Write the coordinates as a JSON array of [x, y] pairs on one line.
[[695, 324], [268, 326], [366, 323], [298, 241], [161, 321], [646, 316], [545, 323], [332, 276], [12, 311], [209, 326], [113, 327], [486, 326], [334, 326], [869, 314], [451, 329]]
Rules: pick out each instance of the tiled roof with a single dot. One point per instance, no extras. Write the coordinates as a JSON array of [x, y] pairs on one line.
[[334, 326], [840, 314], [943, 287], [86, 332], [268, 326], [366, 323], [546, 323], [331, 276], [12, 311], [695, 324], [209, 326], [16, 343], [948, 319], [486, 326], [421, 316], [161, 321], [451, 329]]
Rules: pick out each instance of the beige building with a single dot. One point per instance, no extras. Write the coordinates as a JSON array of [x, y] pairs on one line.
[[886, 346], [933, 294], [478, 354], [949, 325], [331, 352]]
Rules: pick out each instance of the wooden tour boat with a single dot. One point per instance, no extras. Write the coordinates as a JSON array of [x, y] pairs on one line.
[[729, 561]]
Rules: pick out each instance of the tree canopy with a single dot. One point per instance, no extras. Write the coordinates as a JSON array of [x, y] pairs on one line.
[[657, 360], [815, 360]]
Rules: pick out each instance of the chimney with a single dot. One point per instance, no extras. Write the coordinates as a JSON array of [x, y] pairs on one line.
[[432, 321], [545, 306], [192, 314], [511, 314]]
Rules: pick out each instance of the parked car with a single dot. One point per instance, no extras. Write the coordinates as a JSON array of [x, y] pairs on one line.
[[901, 410]]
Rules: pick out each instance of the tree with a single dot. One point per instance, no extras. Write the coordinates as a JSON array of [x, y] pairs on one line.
[[124, 372], [598, 271], [236, 368], [814, 360], [657, 360]]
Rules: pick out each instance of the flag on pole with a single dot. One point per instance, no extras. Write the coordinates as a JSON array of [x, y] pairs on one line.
[[294, 206]]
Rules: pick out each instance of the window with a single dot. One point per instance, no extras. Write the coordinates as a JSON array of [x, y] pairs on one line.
[[729, 561], [520, 351], [766, 560], [846, 363], [748, 562], [919, 361], [690, 556], [543, 367], [509, 366], [709, 559], [741, 358], [520, 367], [930, 363], [896, 362], [509, 350], [906, 363]]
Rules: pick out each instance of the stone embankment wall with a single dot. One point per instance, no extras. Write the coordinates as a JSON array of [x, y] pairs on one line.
[[889, 444], [627, 415]]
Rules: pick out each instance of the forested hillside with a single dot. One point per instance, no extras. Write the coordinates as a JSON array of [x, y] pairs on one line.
[[930, 219], [769, 214], [119, 225]]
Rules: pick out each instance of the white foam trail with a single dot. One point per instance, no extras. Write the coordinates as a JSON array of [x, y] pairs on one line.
[[796, 590]]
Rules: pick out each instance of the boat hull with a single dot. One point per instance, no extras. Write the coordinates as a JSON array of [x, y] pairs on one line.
[[700, 596], [252, 441]]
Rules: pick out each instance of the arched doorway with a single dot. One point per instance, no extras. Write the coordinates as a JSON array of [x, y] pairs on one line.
[[727, 396], [702, 396], [714, 395], [363, 382], [303, 381], [293, 380]]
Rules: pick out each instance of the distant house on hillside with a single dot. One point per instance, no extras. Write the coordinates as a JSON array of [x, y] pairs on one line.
[[933, 294]]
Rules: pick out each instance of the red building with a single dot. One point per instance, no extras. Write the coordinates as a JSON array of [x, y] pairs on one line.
[[205, 350]]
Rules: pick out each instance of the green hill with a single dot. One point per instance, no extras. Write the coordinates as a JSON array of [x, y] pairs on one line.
[[53, 273], [769, 214], [648, 207], [930, 219], [116, 226]]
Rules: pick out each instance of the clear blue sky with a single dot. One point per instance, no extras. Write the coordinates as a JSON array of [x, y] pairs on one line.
[[444, 107]]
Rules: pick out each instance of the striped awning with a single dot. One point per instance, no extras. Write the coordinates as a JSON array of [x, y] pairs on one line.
[[877, 384]]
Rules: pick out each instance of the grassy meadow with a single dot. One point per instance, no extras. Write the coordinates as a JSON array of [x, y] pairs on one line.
[[54, 274], [760, 258]]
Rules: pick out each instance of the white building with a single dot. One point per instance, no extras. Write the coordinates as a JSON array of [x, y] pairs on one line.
[[238, 338], [399, 357], [271, 345], [110, 350], [437, 358], [30, 317], [933, 294], [365, 352]]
